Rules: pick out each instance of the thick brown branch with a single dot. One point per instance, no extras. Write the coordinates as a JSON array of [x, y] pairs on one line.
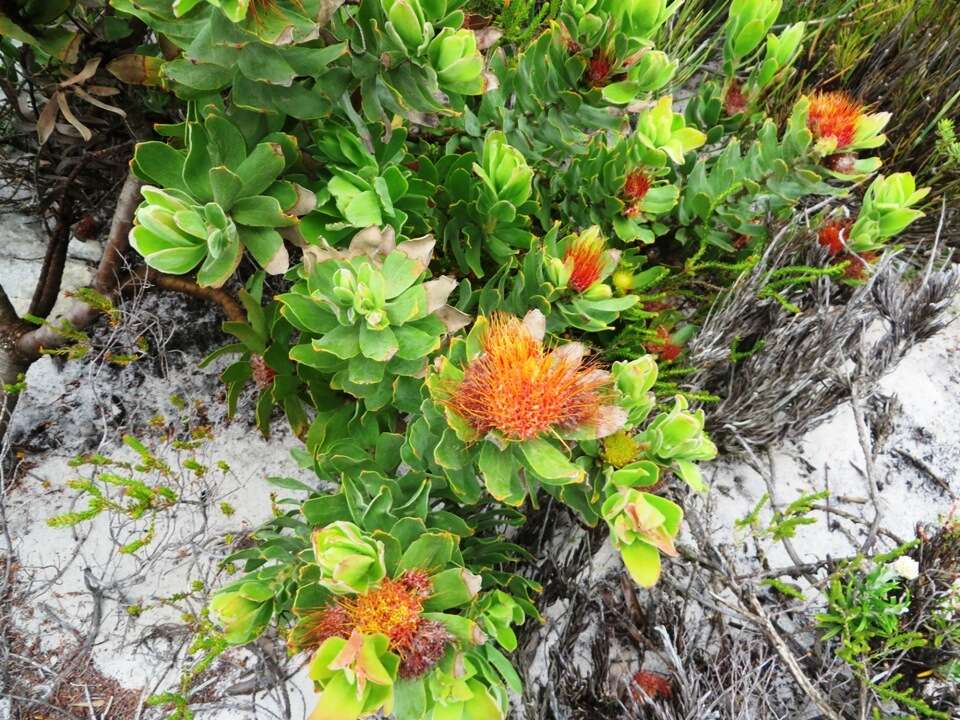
[[231, 307], [51, 274], [106, 282], [8, 314]]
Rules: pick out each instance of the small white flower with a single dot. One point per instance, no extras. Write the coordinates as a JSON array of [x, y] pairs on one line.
[[906, 567]]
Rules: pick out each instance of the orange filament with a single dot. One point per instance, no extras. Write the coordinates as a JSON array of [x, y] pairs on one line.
[[586, 254], [834, 115], [832, 235], [636, 186], [522, 390], [391, 609]]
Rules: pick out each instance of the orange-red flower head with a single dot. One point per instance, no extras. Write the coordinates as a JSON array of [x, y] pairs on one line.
[[585, 252], [635, 188], [833, 234], [392, 608], [652, 685], [834, 115], [857, 268], [636, 185], [522, 390], [734, 102], [663, 346], [599, 69]]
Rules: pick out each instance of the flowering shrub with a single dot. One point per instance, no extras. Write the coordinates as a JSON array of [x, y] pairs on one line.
[[461, 226]]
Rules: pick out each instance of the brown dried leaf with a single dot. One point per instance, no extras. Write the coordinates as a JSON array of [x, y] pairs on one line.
[[97, 103], [48, 118], [487, 37], [68, 115], [136, 69], [89, 70], [103, 90]]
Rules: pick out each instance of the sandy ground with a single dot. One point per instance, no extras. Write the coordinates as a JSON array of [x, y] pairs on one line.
[[77, 587]]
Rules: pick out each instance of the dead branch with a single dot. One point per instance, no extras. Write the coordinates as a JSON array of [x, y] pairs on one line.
[[106, 282], [790, 660], [51, 273]]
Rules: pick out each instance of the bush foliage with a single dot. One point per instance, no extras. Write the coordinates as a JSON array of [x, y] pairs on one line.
[[446, 225]]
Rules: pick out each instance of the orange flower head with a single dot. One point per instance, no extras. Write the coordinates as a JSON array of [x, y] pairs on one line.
[[663, 346], [586, 253], [834, 115], [652, 685], [844, 163], [522, 390], [418, 583], [635, 188], [394, 608], [857, 268], [262, 373], [331, 621], [391, 609], [832, 235]]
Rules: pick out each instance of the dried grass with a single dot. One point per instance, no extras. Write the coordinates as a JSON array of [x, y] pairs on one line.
[[811, 359]]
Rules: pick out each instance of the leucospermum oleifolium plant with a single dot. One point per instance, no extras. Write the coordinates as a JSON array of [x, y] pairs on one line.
[[444, 240], [396, 604]]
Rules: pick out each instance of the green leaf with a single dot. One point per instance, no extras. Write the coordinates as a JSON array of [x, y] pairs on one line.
[[339, 700], [364, 371], [225, 186], [501, 474], [290, 484], [550, 464], [261, 211], [247, 335], [160, 164], [306, 314], [449, 452], [226, 144], [410, 698], [198, 76], [642, 562], [505, 668], [363, 210], [414, 344], [690, 473], [196, 169], [263, 244], [749, 37], [342, 342], [215, 271], [452, 588], [378, 345], [175, 261], [261, 168], [620, 93], [265, 63], [264, 411], [399, 272], [326, 509], [411, 305], [430, 552]]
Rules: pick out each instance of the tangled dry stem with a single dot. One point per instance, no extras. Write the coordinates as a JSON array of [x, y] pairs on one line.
[[811, 359]]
